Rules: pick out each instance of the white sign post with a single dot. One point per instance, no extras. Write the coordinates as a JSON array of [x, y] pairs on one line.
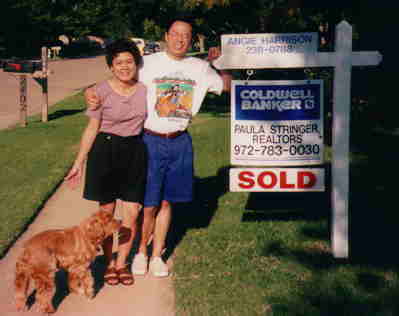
[[342, 60]]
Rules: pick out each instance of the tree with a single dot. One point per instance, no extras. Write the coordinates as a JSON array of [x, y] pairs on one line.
[[33, 23], [208, 3], [152, 31], [22, 35]]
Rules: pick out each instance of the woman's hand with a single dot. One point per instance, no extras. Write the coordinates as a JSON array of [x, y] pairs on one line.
[[74, 176], [92, 100]]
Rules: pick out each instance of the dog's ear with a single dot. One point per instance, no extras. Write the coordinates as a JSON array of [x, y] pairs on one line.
[[95, 229], [105, 216]]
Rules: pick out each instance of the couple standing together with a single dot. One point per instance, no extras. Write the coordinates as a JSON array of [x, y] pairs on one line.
[[137, 146]]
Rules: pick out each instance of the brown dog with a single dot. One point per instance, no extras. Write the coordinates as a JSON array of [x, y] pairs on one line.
[[72, 249]]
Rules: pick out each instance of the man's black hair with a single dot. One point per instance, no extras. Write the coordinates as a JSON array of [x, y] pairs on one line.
[[122, 46], [183, 18]]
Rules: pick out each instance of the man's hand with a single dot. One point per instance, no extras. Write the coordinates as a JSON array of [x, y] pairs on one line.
[[213, 53], [92, 100]]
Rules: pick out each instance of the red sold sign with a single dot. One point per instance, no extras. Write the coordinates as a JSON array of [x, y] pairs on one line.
[[276, 179]]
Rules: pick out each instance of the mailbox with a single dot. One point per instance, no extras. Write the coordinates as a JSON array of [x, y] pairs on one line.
[[21, 66]]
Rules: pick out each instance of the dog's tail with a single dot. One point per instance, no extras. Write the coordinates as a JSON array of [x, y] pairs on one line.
[[21, 283]]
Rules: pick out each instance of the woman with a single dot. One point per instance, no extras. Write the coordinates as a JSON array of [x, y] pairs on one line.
[[116, 156]]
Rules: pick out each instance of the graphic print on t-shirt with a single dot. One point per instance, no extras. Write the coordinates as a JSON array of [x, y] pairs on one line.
[[174, 96]]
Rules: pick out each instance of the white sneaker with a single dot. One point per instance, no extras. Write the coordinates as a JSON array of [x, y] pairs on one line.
[[158, 268], [139, 265]]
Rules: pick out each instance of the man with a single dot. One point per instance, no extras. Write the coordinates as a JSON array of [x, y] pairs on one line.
[[176, 86]]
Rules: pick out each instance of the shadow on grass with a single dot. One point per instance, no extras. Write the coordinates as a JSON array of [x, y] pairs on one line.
[[216, 105], [288, 206], [199, 213], [374, 220], [61, 113], [323, 298], [324, 294], [366, 283]]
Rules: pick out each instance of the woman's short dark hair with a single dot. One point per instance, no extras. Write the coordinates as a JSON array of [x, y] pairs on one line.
[[122, 46]]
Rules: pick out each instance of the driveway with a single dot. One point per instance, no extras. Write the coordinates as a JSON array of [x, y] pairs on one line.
[[68, 77]]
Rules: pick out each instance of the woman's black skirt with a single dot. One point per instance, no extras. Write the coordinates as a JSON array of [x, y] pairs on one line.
[[116, 169]]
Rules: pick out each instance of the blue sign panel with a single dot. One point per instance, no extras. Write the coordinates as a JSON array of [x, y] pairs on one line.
[[277, 102]]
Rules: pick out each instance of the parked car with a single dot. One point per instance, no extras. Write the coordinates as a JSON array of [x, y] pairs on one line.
[[140, 44], [151, 47]]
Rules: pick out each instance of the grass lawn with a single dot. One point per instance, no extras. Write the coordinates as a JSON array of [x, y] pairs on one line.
[[241, 254], [34, 160], [270, 254]]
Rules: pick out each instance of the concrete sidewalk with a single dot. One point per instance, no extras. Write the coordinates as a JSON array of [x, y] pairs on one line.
[[149, 296]]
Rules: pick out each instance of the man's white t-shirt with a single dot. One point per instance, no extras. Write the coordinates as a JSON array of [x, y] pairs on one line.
[[175, 90]]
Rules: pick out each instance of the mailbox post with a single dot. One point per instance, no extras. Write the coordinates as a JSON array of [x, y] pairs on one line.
[[23, 106], [44, 85], [39, 71], [21, 68]]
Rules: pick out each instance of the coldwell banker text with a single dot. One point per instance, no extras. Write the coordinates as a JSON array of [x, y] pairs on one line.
[[279, 100], [270, 101]]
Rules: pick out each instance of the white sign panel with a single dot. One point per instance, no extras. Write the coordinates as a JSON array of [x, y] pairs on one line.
[[342, 59], [253, 50], [276, 179], [277, 123]]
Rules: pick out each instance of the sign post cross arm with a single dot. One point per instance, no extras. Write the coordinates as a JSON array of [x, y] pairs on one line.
[[342, 59]]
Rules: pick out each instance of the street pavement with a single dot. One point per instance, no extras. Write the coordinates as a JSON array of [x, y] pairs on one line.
[[149, 296], [68, 77]]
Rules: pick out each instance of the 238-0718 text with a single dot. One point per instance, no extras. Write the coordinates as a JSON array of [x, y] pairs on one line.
[[276, 150]]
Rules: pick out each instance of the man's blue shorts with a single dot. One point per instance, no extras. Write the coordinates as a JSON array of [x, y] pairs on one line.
[[170, 169]]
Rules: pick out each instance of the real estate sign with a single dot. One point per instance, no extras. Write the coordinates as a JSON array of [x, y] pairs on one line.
[[253, 50], [244, 52], [276, 179], [277, 123]]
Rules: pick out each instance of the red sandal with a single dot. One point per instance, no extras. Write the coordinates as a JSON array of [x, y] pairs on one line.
[[111, 276], [125, 276]]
